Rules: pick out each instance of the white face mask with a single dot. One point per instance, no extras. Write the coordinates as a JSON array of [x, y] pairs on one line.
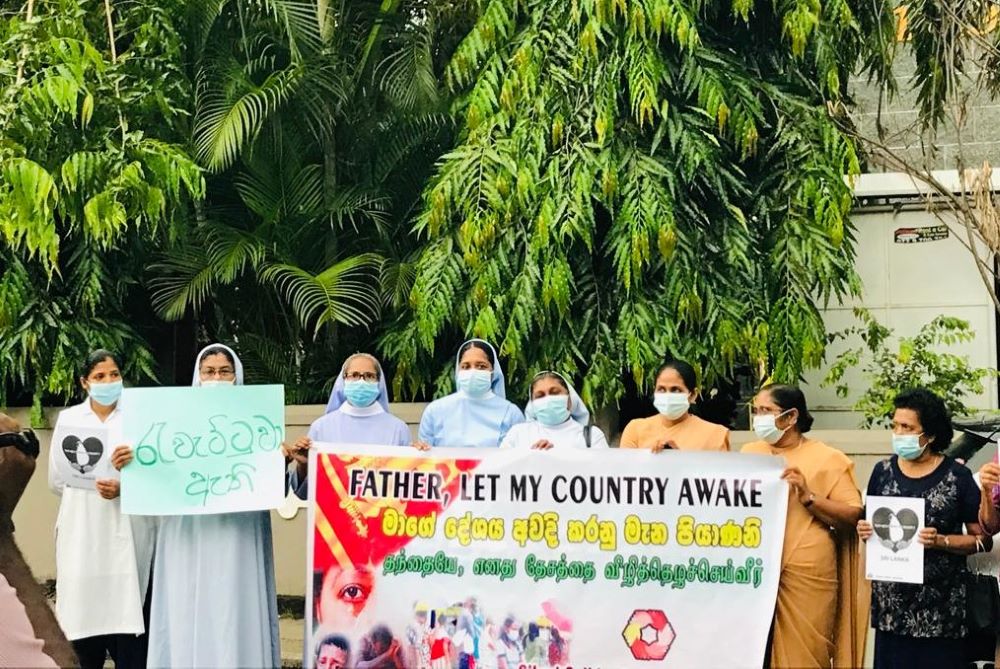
[[671, 405], [765, 428], [215, 383]]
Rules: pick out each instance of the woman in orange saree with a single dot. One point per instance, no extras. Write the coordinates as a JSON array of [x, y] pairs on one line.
[[675, 426], [821, 615]]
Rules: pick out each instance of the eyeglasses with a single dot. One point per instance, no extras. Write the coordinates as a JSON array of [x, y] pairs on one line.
[[361, 376], [221, 372]]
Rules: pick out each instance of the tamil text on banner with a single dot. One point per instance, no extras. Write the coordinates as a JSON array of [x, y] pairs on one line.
[[203, 450], [528, 559]]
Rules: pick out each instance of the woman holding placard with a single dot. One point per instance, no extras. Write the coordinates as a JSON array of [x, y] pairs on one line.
[[478, 413], [214, 602], [357, 413], [102, 557], [923, 625], [820, 620]]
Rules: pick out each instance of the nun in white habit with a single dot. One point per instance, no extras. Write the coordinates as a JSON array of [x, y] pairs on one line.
[[214, 602], [557, 418]]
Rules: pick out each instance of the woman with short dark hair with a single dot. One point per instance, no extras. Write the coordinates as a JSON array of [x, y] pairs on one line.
[[817, 622], [923, 625]]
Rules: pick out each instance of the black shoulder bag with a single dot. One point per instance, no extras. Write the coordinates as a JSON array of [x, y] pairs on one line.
[[982, 602]]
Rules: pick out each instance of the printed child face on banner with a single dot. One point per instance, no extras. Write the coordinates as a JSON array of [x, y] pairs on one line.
[[343, 596], [333, 653]]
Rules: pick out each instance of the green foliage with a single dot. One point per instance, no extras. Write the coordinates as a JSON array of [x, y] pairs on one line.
[[640, 179], [890, 366], [92, 171], [319, 123]]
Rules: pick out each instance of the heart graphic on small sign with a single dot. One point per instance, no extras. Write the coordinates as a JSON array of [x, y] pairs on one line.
[[895, 531], [82, 454]]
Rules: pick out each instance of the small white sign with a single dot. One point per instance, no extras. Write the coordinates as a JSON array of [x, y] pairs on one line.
[[894, 552], [82, 455]]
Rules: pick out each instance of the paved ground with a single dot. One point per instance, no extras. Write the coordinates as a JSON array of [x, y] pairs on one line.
[[292, 635]]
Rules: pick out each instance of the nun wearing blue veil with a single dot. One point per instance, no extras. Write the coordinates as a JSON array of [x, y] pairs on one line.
[[478, 413], [214, 602], [357, 413]]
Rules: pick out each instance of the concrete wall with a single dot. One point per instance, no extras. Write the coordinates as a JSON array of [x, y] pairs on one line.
[[35, 515]]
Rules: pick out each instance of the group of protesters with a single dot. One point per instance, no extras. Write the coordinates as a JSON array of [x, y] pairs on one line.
[[149, 591]]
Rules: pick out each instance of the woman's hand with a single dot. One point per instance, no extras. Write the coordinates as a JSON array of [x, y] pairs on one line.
[[989, 477], [421, 445], [664, 444], [797, 480], [299, 454], [865, 530], [928, 537], [542, 445], [108, 488], [121, 456], [299, 451]]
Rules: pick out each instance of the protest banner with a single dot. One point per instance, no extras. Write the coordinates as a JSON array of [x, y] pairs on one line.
[[82, 455], [527, 559], [203, 450], [893, 553]]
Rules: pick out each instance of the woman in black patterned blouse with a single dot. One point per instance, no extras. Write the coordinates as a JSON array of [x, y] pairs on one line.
[[924, 625]]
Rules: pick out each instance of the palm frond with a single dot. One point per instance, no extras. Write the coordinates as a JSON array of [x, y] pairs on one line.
[[345, 293]]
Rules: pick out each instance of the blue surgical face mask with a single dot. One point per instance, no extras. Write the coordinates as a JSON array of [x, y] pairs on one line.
[[105, 394], [551, 410], [475, 382], [671, 405], [907, 446], [361, 393]]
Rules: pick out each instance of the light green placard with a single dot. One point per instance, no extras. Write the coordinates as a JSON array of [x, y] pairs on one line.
[[203, 450]]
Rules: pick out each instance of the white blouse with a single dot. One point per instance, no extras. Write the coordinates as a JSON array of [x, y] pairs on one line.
[[102, 556], [568, 434]]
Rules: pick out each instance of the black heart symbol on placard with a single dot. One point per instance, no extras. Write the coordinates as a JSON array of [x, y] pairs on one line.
[[895, 531], [82, 454]]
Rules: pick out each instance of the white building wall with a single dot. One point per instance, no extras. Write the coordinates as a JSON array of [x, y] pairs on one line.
[[906, 286]]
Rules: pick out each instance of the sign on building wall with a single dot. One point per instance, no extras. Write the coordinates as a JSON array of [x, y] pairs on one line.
[[927, 233]]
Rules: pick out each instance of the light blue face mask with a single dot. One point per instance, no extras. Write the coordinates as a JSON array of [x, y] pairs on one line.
[[907, 446], [551, 410], [475, 382], [361, 393], [671, 405], [105, 394]]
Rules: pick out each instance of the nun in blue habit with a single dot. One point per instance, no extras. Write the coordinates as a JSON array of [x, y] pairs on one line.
[[357, 413], [214, 602], [478, 413]]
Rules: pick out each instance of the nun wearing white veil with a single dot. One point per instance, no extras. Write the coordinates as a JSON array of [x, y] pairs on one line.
[[557, 418], [214, 602], [478, 413], [357, 413]]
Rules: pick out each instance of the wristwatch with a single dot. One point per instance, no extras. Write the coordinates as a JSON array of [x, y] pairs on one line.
[[809, 502]]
